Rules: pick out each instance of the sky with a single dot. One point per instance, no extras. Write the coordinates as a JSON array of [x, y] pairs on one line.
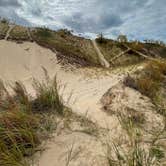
[[138, 19]]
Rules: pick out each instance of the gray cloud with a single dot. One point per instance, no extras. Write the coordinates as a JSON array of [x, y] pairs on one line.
[[82, 23], [138, 19], [6, 3]]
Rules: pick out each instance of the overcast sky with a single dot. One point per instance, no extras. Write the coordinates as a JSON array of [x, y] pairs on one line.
[[138, 19]]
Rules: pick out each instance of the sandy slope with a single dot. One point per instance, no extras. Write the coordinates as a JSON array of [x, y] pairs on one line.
[[87, 86], [81, 89], [25, 61]]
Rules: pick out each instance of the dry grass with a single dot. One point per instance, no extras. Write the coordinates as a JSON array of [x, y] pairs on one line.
[[136, 45], [18, 127], [74, 48], [111, 49], [19, 33], [135, 153], [47, 97], [135, 156], [21, 126], [149, 80]]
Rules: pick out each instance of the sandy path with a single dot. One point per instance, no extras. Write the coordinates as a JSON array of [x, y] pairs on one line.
[[87, 86], [103, 61]]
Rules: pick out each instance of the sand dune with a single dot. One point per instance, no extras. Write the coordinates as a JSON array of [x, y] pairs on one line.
[[84, 86], [25, 61], [87, 86]]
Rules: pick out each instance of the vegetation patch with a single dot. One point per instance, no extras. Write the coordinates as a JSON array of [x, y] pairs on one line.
[[47, 97], [19, 33], [113, 52], [4, 26], [151, 82], [24, 121], [72, 48], [136, 152]]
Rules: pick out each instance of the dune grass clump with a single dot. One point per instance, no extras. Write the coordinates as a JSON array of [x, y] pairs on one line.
[[18, 137], [135, 153], [18, 127], [47, 97], [150, 80], [135, 156], [23, 122]]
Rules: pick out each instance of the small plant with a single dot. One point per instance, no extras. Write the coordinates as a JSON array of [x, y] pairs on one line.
[[47, 97]]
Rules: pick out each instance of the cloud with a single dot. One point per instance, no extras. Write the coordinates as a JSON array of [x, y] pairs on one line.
[[7, 3], [138, 19], [86, 23]]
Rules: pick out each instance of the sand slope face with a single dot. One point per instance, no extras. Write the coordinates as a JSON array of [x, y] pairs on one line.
[[23, 61]]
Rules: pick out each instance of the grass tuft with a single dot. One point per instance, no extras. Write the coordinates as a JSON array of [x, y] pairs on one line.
[[151, 82], [21, 126], [47, 97]]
